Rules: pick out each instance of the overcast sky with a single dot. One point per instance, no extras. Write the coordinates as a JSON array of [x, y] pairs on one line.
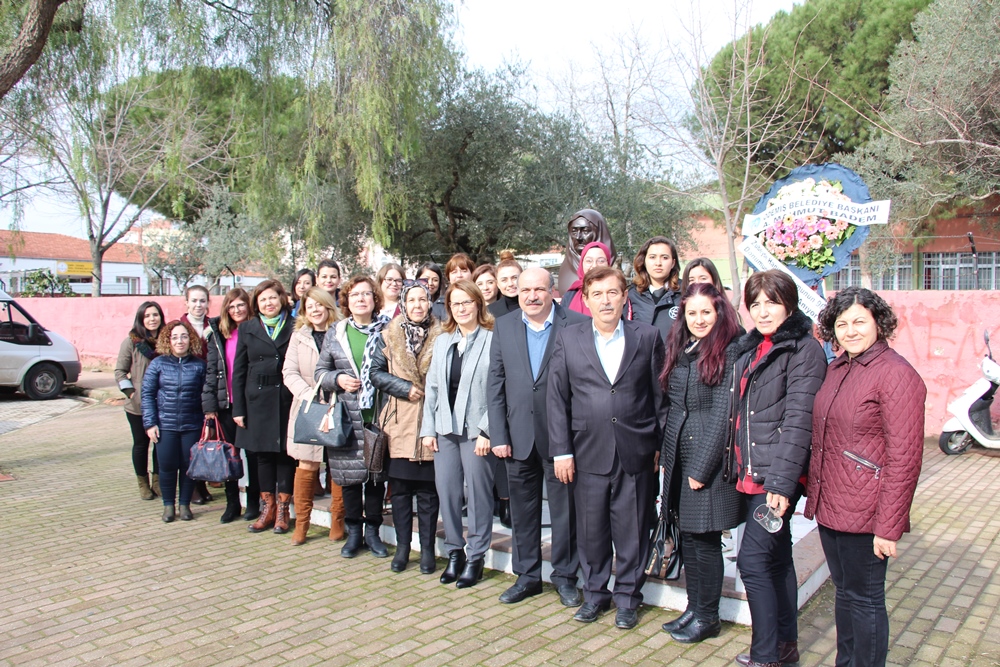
[[547, 36]]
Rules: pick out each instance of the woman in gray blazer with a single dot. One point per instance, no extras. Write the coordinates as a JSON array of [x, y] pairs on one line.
[[456, 426]]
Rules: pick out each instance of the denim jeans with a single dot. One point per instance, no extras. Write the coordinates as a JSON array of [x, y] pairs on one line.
[[859, 577], [174, 452]]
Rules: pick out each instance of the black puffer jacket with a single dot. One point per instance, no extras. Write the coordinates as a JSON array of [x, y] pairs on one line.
[[215, 394], [171, 393], [661, 314], [774, 414], [695, 436]]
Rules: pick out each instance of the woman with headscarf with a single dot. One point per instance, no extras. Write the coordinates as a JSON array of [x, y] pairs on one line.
[[594, 254], [400, 363], [344, 367], [137, 350], [584, 227]]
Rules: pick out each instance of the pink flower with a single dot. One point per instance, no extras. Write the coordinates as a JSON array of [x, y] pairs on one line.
[[816, 241], [781, 254], [810, 228], [801, 235], [822, 225], [832, 233], [842, 225]]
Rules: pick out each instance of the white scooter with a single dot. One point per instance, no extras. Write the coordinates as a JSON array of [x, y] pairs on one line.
[[971, 422]]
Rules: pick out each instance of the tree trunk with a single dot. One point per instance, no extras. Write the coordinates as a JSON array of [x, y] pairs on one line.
[[28, 44], [97, 257]]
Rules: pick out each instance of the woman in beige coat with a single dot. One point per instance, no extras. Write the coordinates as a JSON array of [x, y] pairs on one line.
[[316, 314], [137, 350], [399, 367]]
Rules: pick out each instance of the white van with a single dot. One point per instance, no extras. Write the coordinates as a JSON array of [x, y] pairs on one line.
[[32, 358]]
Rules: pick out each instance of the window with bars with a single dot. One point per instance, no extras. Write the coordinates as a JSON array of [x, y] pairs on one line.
[[898, 277], [848, 276], [961, 270]]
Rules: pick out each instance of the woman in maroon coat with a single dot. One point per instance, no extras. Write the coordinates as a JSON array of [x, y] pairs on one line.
[[868, 435]]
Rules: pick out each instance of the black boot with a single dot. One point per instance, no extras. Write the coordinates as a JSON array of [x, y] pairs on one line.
[[374, 542], [233, 508], [472, 573], [427, 517], [402, 521], [505, 512], [456, 564], [253, 506], [401, 559], [355, 540]]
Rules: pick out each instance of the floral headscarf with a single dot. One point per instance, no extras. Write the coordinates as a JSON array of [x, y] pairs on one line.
[[577, 303], [415, 332]]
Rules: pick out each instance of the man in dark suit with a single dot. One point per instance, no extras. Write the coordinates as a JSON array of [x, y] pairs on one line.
[[522, 345], [605, 408]]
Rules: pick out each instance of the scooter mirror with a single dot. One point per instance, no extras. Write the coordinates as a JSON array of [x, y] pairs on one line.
[[986, 337]]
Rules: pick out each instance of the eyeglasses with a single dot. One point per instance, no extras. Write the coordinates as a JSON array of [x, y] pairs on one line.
[[237, 306], [461, 305], [393, 281], [360, 295]]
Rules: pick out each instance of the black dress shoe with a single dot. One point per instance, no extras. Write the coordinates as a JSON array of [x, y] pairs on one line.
[[519, 592], [591, 611], [184, 512], [681, 621], [626, 619], [569, 595], [168, 513], [788, 654], [697, 631], [401, 559], [472, 573], [456, 563]]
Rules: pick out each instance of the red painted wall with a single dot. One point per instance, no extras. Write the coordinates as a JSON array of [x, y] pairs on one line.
[[940, 333]]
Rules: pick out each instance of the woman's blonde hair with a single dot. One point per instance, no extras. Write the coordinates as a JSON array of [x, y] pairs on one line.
[[323, 297], [484, 317]]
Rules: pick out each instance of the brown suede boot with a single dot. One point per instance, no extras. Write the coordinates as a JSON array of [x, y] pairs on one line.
[[337, 513], [154, 484], [267, 514], [282, 516], [303, 497], [145, 492]]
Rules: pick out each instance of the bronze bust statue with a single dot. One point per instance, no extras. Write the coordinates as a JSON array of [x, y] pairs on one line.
[[584, 227]]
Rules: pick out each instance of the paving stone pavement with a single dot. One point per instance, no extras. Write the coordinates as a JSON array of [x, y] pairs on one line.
[[90, 575], [17, 410]]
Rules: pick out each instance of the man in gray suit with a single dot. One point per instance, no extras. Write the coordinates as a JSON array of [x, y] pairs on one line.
[[605, 408], [519, 358]]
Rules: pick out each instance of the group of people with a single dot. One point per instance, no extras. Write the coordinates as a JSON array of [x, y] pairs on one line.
[[616, 396]]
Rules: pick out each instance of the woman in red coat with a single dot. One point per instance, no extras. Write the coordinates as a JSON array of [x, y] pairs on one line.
[[868, 436]]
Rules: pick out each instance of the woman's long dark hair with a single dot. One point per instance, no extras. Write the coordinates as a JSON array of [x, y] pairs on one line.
[[712, 348], [139, 329]]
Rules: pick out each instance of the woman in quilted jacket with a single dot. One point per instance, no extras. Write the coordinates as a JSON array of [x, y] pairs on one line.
[[696, 378], [344, 367], [171, 411], [775, 380], [868, 434]]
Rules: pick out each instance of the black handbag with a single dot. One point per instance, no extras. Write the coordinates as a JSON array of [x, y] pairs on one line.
[[214, 459], [665, 554], [329, 427]]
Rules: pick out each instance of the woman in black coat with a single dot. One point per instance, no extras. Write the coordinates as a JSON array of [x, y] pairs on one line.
[[222, 339], [262, 403], [780, 369], [697, 378]]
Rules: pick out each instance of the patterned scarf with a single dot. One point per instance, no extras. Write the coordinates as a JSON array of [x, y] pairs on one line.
[[273, 325], [415, 332], [145, 346], [366, 397]]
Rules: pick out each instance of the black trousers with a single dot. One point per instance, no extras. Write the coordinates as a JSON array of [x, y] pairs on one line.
[[363, 503], [703, 570], [768, 572], [526, 479], [859, 577], [276, 471], [428, 507], [140, 447], [612, 520], [229, 433]]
